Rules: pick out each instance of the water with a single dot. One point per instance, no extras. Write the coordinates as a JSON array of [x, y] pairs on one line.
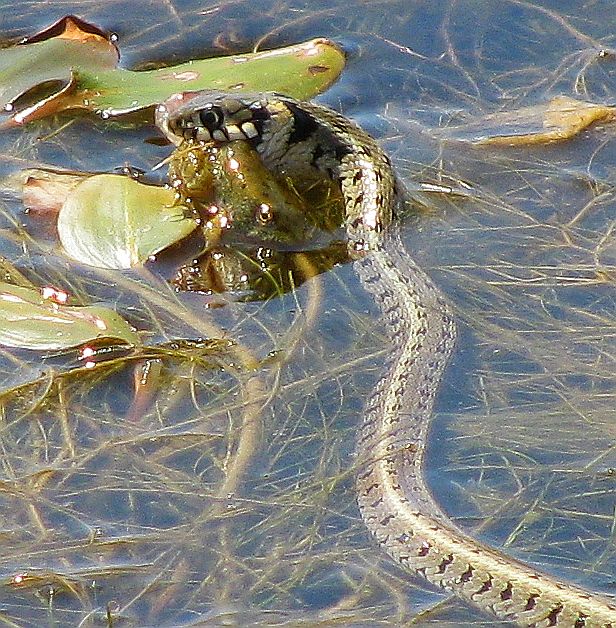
[[225, 499]]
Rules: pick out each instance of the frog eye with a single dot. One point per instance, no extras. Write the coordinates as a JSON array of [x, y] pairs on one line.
[[264, 214]]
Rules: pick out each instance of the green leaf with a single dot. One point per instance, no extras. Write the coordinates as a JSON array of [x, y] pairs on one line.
[[302, 71], [28, 320], [73, 65], [112, 221], [41, 66]]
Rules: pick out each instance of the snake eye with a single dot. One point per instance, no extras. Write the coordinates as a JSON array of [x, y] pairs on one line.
[[264, 214], [212, 118]]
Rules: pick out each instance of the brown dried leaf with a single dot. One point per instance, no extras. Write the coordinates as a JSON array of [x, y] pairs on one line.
[[560, 119]]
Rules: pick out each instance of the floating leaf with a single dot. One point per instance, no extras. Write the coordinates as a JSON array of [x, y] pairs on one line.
[[73, 65], [47, 60], [112, 221], [560, 119], [44, 190], [28, 320], [302, 71]]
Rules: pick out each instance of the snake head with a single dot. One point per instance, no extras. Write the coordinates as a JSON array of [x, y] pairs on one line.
[[212, 116]]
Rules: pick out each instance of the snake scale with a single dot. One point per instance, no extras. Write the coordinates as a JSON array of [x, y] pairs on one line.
[[395, 503]]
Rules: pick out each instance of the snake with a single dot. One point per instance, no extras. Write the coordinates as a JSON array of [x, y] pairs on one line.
[[395, 502]]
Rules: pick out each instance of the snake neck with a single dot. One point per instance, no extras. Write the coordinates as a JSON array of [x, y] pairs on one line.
[[305, 137], [420, 327]]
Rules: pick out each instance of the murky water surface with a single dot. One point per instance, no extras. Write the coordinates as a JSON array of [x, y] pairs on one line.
[[223, 499]]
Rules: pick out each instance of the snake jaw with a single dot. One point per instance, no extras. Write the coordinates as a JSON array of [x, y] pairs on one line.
[[166, 113]]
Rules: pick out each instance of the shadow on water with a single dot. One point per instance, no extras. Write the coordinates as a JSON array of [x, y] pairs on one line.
[[225, 494]]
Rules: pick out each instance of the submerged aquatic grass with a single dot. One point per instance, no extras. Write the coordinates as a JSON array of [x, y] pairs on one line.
[[223, 489]]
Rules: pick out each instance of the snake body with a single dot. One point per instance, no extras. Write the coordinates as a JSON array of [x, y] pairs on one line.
[[395, 503]]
